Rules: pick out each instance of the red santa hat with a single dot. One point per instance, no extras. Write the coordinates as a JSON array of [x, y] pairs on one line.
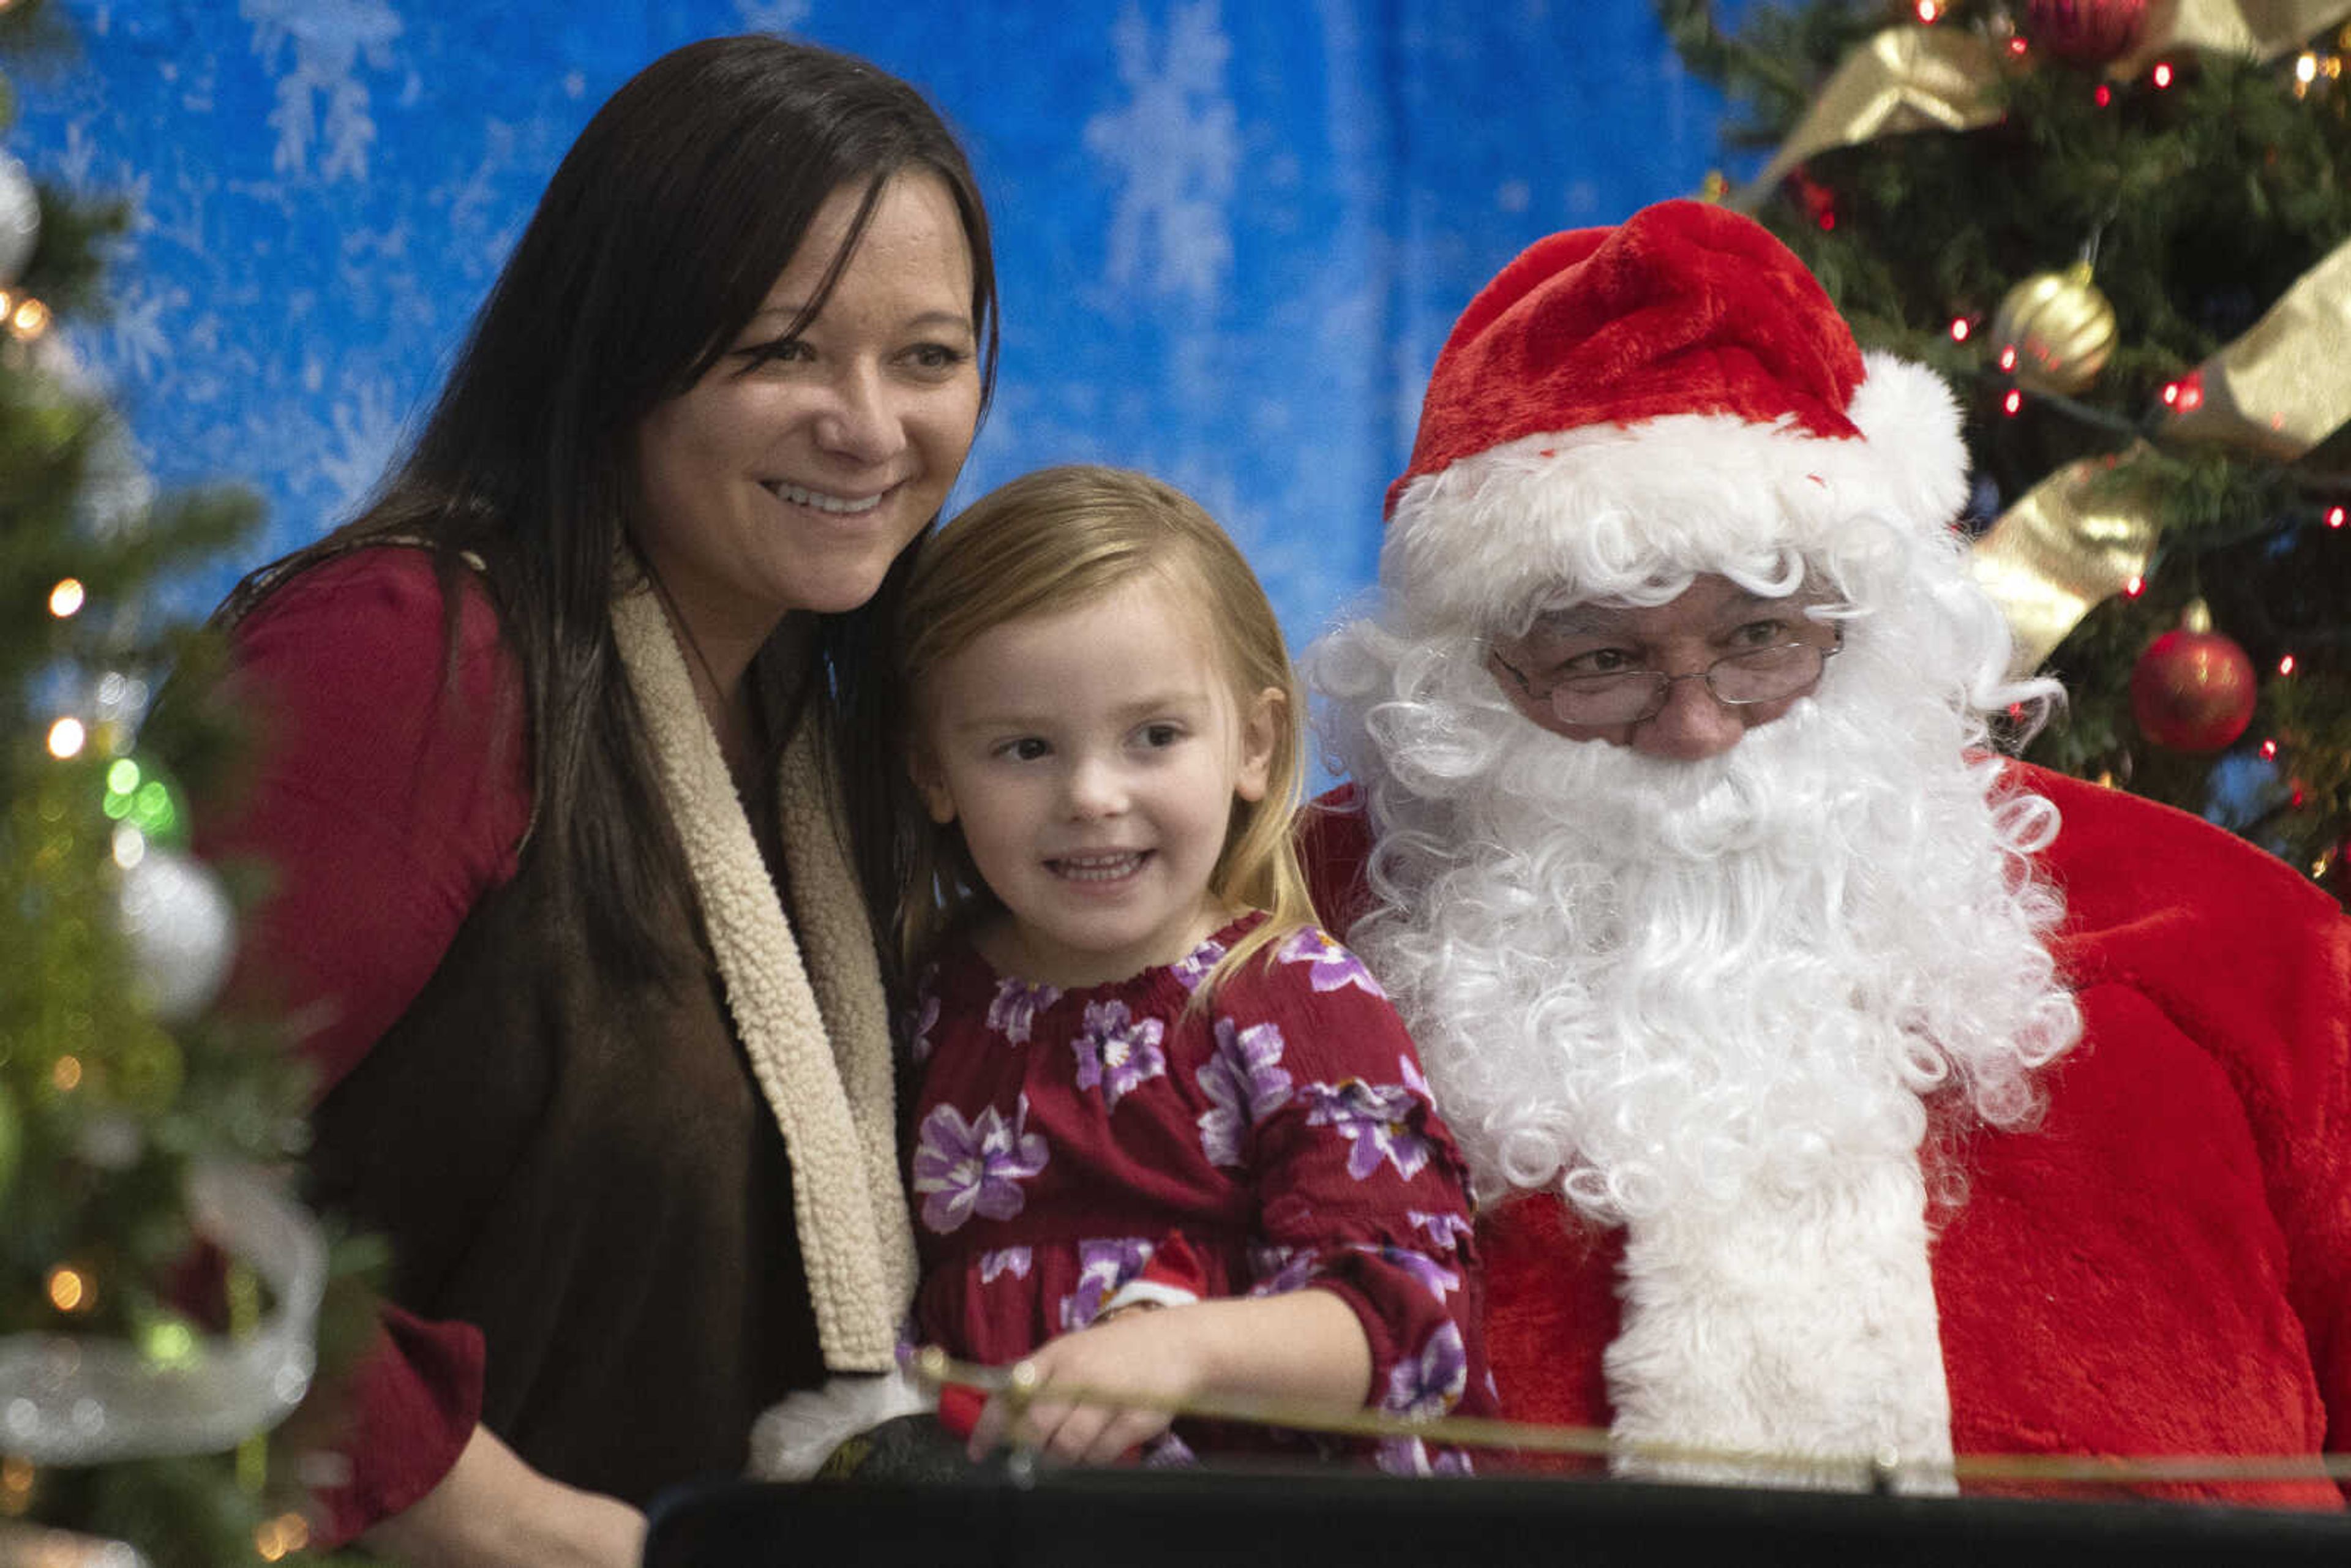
[[1672, 395]]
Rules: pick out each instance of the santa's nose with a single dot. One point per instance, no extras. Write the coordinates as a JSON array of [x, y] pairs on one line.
[[1694, 725]]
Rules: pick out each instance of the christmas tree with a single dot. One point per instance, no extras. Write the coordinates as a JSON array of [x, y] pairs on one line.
[[160, 1296], [2122, 230]]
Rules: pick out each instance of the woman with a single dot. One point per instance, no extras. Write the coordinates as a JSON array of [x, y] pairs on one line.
[[565, 868]]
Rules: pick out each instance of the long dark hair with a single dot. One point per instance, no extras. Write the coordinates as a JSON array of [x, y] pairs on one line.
[[656, 243]]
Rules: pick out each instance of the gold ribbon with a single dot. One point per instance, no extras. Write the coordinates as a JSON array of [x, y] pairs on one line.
[[2261, 30], [2074, 541], [2284, 386], [1905, 78], [1913, 78], [2276, 392], [2279, 391]]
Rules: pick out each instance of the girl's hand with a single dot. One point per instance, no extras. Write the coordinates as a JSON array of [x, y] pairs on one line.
[[1150, 1354]]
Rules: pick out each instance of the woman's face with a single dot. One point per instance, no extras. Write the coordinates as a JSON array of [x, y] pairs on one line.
[[791, 475]]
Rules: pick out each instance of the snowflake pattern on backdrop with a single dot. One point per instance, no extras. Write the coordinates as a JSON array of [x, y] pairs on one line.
[[328, 38], [1231, 236], [1171, 150]]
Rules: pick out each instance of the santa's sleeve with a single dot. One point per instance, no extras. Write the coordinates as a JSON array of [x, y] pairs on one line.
[[385, 792], [1360, 1189], [2251, 962]]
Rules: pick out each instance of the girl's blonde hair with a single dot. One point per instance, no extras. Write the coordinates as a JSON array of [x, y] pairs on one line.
[[1050, 542]]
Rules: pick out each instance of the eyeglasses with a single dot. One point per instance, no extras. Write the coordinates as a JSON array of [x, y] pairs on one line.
[[1630, 696]]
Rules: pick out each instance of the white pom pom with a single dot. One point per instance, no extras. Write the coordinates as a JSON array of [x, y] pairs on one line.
[[792, 1438]]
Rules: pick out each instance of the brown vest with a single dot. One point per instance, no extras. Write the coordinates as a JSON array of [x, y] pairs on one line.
[[663, 1212]]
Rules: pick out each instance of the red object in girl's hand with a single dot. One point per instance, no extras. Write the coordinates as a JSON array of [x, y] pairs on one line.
[[960, 1408]]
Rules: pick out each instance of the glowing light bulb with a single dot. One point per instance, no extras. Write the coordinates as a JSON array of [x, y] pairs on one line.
[[2012, 403], [29, 319], [66, 598], [1959, 329], [276, 1539], [2162, 74], [2135, 586], [1929, 11], [65, 739], [68, 1291], [2305, 70], [2008, 358], [2269, 750], [2335, 517], [2104, 95], [2285, 665]]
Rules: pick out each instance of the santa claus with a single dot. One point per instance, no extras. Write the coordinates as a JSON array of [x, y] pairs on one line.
[[1843, 1094]]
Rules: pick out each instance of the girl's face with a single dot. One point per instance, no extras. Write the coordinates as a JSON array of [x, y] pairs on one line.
[[792, 474], [1092, 758]]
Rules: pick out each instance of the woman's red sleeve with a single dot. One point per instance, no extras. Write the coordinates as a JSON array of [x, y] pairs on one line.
[[388, 792]]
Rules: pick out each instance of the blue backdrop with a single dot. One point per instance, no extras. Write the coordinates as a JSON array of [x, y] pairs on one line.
[[1232, 235]]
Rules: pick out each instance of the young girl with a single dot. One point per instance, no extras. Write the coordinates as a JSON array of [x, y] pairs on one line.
[[1148, 1081]]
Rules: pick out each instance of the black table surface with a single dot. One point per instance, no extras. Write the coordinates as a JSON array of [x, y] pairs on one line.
[[1112, 1517]]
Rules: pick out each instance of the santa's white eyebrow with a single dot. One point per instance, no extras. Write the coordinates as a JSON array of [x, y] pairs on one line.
[[1596, 620]]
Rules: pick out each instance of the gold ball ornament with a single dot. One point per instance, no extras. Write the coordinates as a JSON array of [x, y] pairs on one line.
[[2061, 328]]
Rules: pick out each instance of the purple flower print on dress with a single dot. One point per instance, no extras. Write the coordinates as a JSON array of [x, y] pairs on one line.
[[1102, 1268], [1167, 1451], [1413, 1079], [1116, 1051], [1333, 967], [1012, 1260], [1378, 1119], [1244, 1083], [1432, 1276], [1431, 1383], [1281, 1269], [1412, 1456], [921, 1019], [1013, 1010], [1446, 1228], [1194, 967], [976, 1167]]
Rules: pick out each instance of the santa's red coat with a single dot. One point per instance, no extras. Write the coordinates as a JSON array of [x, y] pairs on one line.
[[2162, 1265]]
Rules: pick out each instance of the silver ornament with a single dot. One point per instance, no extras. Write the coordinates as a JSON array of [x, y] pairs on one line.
[[178, 923], [74, 1401], [20, 218]]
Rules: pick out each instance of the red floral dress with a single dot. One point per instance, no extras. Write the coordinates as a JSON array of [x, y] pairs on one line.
[[1076, 1150]]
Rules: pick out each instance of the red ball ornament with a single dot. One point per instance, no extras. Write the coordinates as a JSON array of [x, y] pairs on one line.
[[2085, 32], [2193, 689]]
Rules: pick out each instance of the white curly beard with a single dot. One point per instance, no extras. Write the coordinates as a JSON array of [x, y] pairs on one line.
[[1705, 1000]]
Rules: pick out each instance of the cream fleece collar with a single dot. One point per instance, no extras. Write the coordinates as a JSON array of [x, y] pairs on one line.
[[805, 994]]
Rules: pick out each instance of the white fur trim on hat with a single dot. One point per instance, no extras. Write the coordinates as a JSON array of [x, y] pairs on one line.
[[1593, 512]]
